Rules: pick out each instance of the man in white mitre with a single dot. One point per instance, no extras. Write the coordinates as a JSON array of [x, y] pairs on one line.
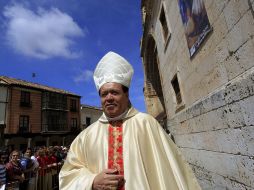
[[125, 149]]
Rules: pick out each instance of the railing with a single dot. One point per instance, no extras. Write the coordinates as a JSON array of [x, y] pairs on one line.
[[23, 130], [26, 104], [47, 128]]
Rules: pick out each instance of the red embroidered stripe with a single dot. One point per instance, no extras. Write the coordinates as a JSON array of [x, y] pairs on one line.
[[115, 150]]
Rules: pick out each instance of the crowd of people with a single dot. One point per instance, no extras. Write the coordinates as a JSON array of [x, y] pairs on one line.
[[31, 169]]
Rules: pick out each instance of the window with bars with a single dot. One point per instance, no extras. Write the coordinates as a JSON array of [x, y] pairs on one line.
[[74, 122], [164, 24], [176, 88], [23, 123], [73, 105], [25, 99]]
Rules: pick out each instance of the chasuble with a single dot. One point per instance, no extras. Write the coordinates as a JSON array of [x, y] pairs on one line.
[[150, 159]]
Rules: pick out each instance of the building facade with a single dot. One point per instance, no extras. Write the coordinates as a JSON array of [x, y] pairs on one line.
[[36, 115], [89, 114], [198, 59]]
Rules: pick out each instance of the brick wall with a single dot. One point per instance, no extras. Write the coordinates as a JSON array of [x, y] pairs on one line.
[[15, 110]]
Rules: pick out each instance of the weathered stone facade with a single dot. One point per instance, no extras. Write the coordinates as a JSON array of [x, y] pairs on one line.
[[214, 122]]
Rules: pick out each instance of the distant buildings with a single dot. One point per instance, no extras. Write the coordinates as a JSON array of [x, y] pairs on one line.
[[34, 115], [198, 59], [89, 114]]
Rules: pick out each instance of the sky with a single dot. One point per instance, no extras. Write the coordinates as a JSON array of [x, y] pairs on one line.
[[61, 41]]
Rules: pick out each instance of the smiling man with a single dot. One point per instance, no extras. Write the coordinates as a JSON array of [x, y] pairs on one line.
[[125, 149]]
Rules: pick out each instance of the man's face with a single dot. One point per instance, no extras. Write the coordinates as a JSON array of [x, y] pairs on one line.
[[15, 156], [114, 100], [3, 158]]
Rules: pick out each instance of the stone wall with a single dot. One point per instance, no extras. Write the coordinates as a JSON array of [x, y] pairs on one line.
[[215, 129], [216, 135]]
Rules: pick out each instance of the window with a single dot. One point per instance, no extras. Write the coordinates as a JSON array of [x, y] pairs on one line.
[[53, 120], [74, 123], [52, 100], [88, 121], [23, 123], [25, 99], [176, 87], [164, 25], [73, 105]]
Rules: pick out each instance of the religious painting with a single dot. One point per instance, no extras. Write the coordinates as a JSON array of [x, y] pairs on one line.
[[195, 21]]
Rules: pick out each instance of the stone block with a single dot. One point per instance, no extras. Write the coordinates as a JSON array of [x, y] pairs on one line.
[[234, 167], [209, 180], [241, 87], [234, 115], [247, 106], [220, 30], [232, 66], [231, 141], [221, 52], [243, 6], [231, 13], [214, 9], [241, 32], [215, 78], [245, 55]]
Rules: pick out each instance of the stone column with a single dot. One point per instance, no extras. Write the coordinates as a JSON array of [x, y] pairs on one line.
[[6, 141], [47, 142], [29, 142], [63, 141]]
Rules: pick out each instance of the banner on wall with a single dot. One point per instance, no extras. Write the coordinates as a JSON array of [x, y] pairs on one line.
[[195, 21]]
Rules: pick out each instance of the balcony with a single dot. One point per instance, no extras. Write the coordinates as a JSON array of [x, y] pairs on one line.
[[26, 104], [46, 128], [24, 130]]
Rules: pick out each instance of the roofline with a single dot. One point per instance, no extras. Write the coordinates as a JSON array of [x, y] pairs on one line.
[[51, 89], [90, 107]]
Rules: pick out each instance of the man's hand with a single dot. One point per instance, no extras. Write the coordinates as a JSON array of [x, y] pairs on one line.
[[108, 179]]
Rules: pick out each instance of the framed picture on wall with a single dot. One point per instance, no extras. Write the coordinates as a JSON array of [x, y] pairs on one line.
[[195, 22]]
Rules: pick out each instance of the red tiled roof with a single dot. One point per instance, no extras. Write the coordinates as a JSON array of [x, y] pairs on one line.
[[23, 83]]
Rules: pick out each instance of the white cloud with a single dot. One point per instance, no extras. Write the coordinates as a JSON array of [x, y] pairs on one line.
[[84, 76], [42, 34]]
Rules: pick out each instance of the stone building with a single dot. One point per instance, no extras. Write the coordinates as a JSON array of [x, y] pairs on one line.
[[89, 114], [36, 115], [200, 84]]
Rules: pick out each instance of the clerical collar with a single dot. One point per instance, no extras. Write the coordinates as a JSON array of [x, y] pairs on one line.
[[120, 117]]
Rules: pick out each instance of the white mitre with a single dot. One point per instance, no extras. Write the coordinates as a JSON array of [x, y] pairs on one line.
[[113, 68]]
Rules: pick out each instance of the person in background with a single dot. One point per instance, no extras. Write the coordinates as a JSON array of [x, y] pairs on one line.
[[15, 174], [30, 167], [125, 149], [34, 180], [42, 178], [3, 158], [53, 163], [27, 166]]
